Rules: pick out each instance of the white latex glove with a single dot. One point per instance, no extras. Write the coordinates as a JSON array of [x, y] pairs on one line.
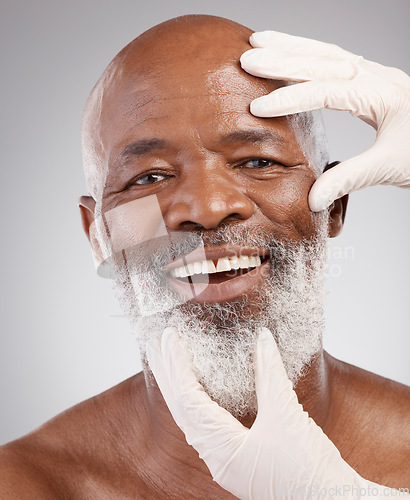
[[284, 454], [336, 79]]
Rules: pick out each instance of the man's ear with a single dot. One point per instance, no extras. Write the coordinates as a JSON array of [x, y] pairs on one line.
[[337, 210], [87, 208]]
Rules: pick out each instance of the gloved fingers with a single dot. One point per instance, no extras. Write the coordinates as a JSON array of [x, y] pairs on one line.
[[275, 63], [303, 50], [195, 413], [309, 96], [367, 169], [273, 388], [160, 372], [297, 44]]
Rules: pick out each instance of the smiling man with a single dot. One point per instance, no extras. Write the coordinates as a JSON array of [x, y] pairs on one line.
[[199, 212]]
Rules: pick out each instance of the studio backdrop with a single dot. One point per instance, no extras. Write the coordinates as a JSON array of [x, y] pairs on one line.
[[63, 336]]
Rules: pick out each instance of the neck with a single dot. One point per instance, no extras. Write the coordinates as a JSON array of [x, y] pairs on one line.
[[168, 459], [313, 391], [170, 455]]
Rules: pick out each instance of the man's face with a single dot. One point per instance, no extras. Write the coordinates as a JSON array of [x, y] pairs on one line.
[[188, 138], [184, 137]]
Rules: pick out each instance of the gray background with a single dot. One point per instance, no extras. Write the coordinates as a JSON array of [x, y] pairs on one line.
[[62, 338]]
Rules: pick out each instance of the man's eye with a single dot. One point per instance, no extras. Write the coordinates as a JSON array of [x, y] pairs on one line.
[[149, 179], [258, 163]]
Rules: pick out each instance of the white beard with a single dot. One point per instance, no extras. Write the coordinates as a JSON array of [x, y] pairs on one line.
[[221, 337]]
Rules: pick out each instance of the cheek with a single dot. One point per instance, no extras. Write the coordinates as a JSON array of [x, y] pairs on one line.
[[284, 201]]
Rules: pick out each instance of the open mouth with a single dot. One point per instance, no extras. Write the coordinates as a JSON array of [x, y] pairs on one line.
[[215, 271], [218, 274]]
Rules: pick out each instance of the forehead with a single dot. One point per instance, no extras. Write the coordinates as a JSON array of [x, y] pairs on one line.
[[183, 105]]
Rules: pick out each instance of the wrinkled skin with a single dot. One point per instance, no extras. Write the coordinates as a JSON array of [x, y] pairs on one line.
[[181, 83], [194, 107]]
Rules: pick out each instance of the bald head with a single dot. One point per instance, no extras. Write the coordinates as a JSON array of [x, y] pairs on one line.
[[194, 39], [175, 58], [177, 45]]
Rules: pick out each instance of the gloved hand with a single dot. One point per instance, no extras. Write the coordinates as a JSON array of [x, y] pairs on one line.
[[284, 454], [336, 79]]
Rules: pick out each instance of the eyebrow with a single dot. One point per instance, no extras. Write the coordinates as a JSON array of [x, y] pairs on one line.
[[253, 136], [142, 147]]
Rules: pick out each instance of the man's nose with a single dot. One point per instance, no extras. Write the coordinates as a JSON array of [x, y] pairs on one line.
[[207, 202]]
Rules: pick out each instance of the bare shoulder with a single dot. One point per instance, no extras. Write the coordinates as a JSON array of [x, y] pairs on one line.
[[80, 451], [373, 417], [382, 396], [21, 479]]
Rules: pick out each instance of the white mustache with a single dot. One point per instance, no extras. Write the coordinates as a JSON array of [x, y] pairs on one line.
[[220, 336], [154, 255]]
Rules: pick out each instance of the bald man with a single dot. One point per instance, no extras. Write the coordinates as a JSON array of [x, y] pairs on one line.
[[170, 144]]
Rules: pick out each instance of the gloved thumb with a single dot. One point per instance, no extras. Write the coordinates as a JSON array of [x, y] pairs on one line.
[[366, 169], [273, 387]]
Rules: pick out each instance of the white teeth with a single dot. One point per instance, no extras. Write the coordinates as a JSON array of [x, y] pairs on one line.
[[223, 264], [234, 262], [252, 261], [204, 267], [184, 271], [197, 267], [244, 262], [208, 267]]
